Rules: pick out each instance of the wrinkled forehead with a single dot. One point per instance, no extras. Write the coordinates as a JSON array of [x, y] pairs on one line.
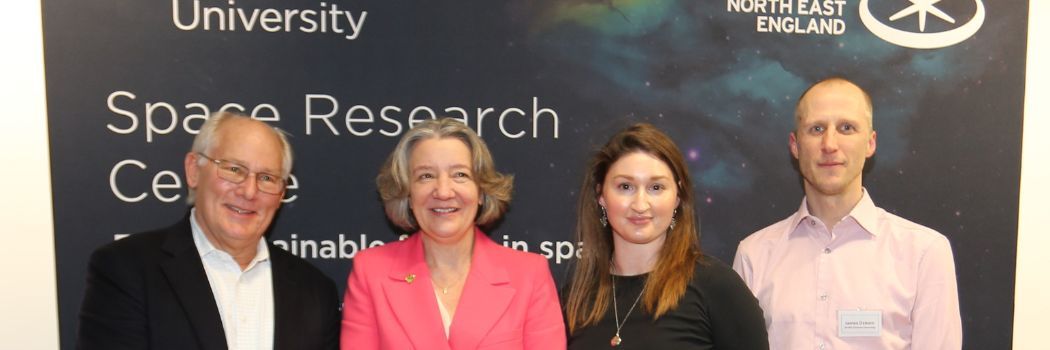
[[251, 143]]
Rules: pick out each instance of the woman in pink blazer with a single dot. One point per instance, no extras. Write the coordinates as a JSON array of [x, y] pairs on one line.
[[448, 286]]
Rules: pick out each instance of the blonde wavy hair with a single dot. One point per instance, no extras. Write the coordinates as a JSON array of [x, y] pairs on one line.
[[394, 180]]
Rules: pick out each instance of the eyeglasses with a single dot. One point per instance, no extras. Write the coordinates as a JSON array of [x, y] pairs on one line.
[[236, 173]]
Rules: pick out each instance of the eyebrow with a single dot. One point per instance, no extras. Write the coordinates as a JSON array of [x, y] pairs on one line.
[[826, 117], [631, 178], [431, 167], [241, 163], [421, 167]]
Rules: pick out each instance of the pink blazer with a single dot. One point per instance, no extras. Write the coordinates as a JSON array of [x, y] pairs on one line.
[[509, 301]]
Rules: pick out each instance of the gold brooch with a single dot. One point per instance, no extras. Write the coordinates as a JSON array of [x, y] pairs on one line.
[[409, 278]]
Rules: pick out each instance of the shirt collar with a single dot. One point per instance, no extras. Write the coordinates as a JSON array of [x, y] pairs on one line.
[[205, 248], [864, 213], [801, 214]]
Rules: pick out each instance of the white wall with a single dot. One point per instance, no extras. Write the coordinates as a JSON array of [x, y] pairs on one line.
[[1031, 302], [28, 302]]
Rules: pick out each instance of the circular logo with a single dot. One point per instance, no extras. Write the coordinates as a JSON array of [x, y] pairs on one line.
[[922, 40]]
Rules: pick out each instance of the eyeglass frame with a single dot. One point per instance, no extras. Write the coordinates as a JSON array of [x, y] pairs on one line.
[[248, 172]]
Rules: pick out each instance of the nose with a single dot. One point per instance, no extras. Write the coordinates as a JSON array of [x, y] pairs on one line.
[[248, 188], [640, 202], [443, 189], [829, 142]]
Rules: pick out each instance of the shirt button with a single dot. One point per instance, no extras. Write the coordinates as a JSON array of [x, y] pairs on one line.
[[821, 346], [827, 250], [812, 222], [823, 297]]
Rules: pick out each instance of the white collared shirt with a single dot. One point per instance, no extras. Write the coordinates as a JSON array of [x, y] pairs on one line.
[[244, 298]]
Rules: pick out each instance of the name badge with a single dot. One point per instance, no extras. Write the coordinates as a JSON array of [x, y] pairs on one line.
[[859, 323]]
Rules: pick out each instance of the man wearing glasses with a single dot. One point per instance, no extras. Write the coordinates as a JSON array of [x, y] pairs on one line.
[[212, 281]]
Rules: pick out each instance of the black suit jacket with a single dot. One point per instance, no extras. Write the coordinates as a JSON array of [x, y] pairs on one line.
[[150, 291]]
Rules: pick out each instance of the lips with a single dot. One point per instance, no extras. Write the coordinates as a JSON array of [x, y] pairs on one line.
[[639, 220], [239, 210], [442, 211], [830, 164]]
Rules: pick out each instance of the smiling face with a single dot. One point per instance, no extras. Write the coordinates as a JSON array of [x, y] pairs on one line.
[[639, 195], [443, 195], [832, 139], [236, 214]]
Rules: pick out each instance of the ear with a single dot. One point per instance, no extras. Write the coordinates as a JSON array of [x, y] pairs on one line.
[[189, 164], [872, 144], [598, 191], [793, 144], [677, 198]]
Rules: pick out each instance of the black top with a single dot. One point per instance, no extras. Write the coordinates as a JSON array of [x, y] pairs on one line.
[[716, 312]]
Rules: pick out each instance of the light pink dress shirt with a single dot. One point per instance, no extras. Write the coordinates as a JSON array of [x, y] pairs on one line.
[[803, 275]]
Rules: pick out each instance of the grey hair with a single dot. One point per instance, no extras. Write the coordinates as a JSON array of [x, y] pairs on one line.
[[205, 142], [394, 181]]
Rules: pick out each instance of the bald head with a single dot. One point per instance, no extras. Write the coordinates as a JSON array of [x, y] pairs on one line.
[[832, 139], [833, 85]]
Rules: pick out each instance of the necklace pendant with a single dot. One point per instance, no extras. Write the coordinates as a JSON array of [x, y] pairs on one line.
[[444, 290], [615, 341]]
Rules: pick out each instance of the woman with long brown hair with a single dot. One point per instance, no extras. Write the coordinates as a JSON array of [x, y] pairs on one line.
[[642, 281]]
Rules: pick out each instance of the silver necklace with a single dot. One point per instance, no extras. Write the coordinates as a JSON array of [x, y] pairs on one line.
[[616, 340]]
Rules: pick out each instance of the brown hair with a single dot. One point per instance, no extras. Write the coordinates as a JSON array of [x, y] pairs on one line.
[[591, 287], [394, 184]]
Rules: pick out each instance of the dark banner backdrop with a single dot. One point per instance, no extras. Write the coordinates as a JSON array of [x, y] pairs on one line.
[[545, 83]]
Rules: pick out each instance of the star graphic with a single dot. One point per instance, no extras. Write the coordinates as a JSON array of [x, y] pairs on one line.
[[922, 7]]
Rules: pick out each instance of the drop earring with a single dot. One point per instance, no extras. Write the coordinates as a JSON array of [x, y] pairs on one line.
[[674, 220], [604, 219]]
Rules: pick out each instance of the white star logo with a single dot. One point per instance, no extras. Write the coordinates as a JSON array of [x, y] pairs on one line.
[[921, 39], [923, 7]]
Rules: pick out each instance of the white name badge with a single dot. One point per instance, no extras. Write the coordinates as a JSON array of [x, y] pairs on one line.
[[859, 323]]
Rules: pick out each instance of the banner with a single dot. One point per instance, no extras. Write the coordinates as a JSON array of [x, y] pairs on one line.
[[545, 83]]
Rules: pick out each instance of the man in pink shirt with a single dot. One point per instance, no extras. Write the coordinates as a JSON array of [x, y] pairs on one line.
[[841, 273]]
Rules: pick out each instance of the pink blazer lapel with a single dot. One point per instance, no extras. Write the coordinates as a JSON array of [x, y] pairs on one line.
[[411, 296], [486, 296]]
